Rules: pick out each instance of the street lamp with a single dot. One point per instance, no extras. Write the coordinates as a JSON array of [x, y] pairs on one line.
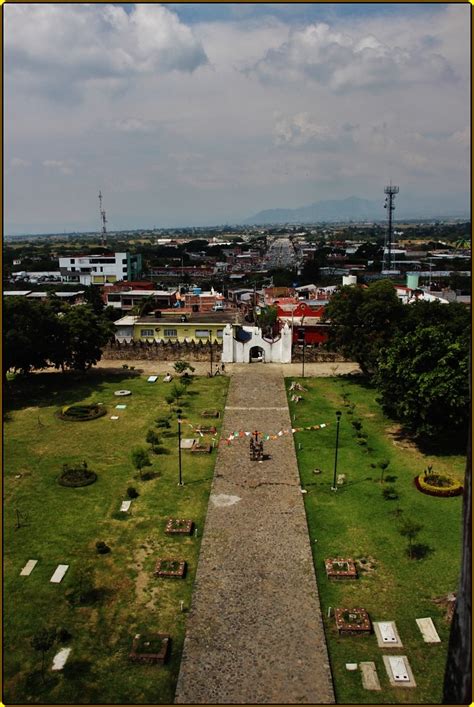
[[180, 482], [338, 418]]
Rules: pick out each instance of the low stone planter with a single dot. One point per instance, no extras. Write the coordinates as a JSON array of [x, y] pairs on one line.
[[178, 526], [340, 568], [170, 568], [149, 649], [352, 621]]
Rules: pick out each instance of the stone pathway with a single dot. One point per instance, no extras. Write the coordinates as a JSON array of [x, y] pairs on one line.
[[254, 632]]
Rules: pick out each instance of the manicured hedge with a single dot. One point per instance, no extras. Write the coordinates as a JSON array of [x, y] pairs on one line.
[[81, 413], [423, 485]]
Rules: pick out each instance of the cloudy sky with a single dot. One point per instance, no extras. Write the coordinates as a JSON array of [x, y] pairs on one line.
[[201, 114]]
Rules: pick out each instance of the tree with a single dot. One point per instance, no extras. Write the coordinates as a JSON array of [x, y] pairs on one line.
[[43, 640], [182, 366], [363, 321], [87, 334], [140, 459], [410, 530], [423, 378]]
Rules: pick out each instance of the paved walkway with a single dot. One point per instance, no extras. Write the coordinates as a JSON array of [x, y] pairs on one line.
[[254, 632]]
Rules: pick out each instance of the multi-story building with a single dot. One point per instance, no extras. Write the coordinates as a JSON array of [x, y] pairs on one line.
[[100, 269]]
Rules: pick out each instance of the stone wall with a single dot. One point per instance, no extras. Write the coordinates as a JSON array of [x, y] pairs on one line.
[[159, 351], [314, 354]]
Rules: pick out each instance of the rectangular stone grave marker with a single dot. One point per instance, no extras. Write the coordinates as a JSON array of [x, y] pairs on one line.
[[399, 671], [187, 443], [28, 568], [387, 634], [125, 506], [59, 660], [428, 631], [152, 379], [370, 679], [59, 573]]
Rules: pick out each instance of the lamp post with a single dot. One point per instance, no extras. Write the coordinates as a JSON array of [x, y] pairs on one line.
[[180, 482], [338, 418]]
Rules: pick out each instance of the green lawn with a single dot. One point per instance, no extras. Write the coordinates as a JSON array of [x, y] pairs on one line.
[[62, 525], [356, 521]]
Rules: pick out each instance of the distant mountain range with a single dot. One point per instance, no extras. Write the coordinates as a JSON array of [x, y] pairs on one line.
[[355, 209]]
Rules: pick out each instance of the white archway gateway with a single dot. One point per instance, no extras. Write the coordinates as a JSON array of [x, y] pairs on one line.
[[240, 345]]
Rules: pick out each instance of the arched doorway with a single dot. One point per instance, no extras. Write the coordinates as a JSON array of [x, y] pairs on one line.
[[256, 355]]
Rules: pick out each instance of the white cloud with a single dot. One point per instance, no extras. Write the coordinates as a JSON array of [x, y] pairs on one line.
[[64, 46], [344, 61]]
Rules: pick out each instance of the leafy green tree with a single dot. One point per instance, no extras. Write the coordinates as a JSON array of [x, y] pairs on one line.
[[410, 530], [363, 321], [423, 378], [42, 641], [140, 459], [87, 334], [182, 366]]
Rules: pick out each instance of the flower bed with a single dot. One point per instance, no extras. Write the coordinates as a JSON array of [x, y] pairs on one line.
[[170, 568], [352, 621], [76, 477], [438, 485], [150, 649], [178, 526], [340, 568], [81, 413]]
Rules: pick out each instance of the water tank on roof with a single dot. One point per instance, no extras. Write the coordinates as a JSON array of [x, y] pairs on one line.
[[412, 281], [349, 279]]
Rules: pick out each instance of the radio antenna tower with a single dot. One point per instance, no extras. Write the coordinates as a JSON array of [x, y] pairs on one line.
[[390, 192], [103, 218]]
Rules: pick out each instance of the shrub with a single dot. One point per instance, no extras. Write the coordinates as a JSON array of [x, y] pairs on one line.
[[390, 493], [63, 635], [102, 548], [132, 492], [152, 438]]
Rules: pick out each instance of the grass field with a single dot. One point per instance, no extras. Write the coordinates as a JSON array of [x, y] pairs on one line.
[[61, 525], [357, 522]]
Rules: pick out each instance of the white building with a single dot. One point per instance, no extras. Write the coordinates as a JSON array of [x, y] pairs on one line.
[[100, 269]]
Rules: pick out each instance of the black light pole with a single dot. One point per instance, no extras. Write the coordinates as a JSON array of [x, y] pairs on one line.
[[338, 418], [180, 482]]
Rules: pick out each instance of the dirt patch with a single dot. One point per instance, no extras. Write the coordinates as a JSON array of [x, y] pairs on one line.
[[400, 438]]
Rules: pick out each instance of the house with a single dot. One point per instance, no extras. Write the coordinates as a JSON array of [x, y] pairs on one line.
[[100, 269], [174, 326]]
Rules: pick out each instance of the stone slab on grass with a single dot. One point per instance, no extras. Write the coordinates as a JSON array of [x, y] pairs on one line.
[[59, 660], [28, 568], [387, 634], [125, 506], [428, 630], [370, 679], [399, 671], [59, 573]]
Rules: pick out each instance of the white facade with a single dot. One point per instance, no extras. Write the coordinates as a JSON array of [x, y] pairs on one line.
[[99, 269], [256, 348]]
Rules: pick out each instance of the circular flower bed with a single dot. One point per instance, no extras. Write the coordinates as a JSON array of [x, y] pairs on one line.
[[77, 476], [438, 485], [81, 413]]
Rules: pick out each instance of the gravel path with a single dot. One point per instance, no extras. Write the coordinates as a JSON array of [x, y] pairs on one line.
[[254, 632]]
